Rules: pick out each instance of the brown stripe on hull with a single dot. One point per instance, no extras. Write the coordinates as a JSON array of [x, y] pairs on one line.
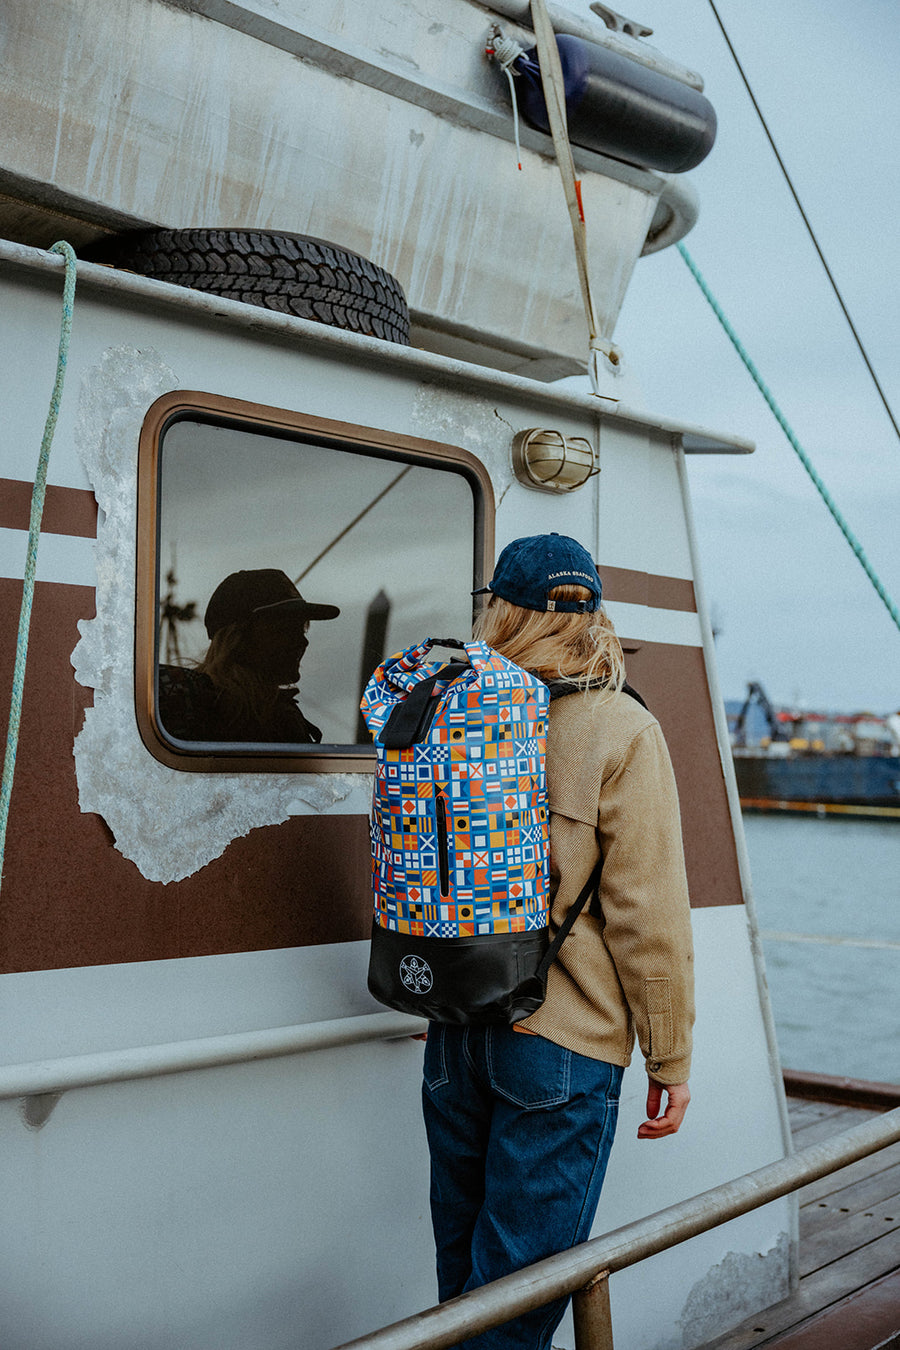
[[672, 681], [647, 588], [66, 510], [70, 899]]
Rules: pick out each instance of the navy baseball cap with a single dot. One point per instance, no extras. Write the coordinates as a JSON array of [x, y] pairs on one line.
[[529, 569], [263, 591]]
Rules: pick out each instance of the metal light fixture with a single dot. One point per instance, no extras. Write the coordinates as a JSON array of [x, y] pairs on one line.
[[551, 462]]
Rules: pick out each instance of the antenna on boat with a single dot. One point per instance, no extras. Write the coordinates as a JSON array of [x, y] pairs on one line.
[[171, 614]]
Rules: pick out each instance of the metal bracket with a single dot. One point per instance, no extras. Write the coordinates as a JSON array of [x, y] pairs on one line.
[[619, 24], [591, 1311]]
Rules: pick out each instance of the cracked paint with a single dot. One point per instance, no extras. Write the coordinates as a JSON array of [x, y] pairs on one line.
[[454, 418], [740, 1285]]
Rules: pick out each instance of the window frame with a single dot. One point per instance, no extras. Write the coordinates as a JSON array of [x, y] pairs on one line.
[[279, 423]]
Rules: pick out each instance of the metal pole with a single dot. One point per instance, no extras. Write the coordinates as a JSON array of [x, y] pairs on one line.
[[373, 651], [592, 1316], [726, 760], [441, 1327]]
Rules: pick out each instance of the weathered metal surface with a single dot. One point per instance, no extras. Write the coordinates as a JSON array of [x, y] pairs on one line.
[[277, 1155], [592, 1315], [103, 96]]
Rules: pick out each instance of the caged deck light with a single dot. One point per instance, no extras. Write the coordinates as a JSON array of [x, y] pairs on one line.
[[551, 462]]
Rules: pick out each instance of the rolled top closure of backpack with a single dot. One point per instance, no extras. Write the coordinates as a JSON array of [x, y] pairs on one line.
[[410, 721], [399, 677]]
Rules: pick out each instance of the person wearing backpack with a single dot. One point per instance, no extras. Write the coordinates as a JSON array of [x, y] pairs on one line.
[[520, 1118]]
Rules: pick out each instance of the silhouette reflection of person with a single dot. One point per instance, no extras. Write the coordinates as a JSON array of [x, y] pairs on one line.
[[244, 689]]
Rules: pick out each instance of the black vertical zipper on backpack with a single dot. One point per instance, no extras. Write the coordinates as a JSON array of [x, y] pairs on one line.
[[443, 850]]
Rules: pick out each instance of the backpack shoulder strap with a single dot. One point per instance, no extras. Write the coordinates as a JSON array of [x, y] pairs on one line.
[[575, 909], [562, 688]]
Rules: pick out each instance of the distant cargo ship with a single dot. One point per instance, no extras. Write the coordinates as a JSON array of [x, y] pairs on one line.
[[847, 763]]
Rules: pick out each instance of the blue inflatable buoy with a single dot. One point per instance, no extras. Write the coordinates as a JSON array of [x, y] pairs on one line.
[[621, 108]]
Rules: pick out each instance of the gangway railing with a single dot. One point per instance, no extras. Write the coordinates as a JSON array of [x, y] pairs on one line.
[[584, 1271]]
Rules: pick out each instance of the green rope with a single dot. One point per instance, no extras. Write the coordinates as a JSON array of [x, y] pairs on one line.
[[788, 431], [34, 531]]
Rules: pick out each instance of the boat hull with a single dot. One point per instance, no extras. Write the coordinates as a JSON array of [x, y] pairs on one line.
[[864, 781]]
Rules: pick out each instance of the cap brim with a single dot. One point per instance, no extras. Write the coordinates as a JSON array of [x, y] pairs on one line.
[[301, 608]]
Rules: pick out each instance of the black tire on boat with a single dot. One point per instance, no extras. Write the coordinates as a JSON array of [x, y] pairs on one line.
[[290, 273]]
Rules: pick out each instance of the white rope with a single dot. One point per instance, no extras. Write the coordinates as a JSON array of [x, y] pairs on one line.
[[554, 96], [505, 51]]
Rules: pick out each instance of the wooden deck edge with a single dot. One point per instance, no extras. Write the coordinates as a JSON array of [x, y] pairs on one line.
[[824, 1087], [863, 1320]]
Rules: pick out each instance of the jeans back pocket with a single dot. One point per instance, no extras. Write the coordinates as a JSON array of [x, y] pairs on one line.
[[528, 1070]]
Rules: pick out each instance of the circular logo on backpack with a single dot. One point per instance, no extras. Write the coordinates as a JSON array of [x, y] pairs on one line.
[[415, 974]]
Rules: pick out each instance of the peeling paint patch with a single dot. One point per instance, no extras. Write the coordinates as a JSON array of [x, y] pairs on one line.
[[458, 419], [169, 824], [739, 1286]]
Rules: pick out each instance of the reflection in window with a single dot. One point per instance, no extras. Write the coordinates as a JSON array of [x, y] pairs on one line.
[[288, 570]]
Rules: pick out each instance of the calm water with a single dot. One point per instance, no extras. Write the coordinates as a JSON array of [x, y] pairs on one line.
[[828, 900]]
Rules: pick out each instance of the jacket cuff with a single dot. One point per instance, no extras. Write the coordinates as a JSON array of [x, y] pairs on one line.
[[669, 1071]]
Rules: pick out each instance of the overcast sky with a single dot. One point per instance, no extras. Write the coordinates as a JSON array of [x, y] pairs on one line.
[[795, 608]]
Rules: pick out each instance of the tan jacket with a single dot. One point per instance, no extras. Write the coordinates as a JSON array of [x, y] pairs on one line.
[[611, 787]]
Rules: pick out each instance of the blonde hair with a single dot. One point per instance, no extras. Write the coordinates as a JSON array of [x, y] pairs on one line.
[[228, 664], [556, 645]]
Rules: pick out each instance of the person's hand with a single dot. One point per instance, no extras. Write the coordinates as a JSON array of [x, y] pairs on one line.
[[657, 1126]]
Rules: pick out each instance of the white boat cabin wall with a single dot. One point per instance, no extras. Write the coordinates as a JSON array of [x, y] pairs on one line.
[[210, 1135]]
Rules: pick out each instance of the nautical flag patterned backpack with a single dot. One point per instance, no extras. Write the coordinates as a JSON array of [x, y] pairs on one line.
[[460, 836]]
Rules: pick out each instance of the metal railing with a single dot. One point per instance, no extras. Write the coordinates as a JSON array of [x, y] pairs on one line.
[[583, 1271], [40, 1077]]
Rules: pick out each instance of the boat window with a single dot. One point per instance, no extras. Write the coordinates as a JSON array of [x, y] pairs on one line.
[[281, 559]]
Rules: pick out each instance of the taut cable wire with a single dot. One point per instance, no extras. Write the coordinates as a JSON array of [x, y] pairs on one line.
[[788, 430], [806, 221]]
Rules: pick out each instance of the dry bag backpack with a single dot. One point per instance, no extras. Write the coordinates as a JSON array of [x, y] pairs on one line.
[[460, 836]]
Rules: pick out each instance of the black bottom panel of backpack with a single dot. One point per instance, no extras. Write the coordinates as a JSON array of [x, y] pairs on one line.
[[491, 978]]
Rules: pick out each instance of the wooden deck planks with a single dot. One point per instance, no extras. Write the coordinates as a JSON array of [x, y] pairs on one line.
[[833, 1120], [853, 1231], [849, 1250], [818, 1291], [866, 1320], [828, 1210], [850, 1176]]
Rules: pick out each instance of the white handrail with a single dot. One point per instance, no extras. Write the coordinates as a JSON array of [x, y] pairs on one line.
[[151, 1061]]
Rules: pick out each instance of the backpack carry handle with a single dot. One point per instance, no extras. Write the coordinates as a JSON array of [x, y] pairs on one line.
[[410, 721], [446, 642]]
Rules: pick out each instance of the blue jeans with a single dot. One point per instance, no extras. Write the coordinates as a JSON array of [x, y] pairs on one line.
[[519, 1131]]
